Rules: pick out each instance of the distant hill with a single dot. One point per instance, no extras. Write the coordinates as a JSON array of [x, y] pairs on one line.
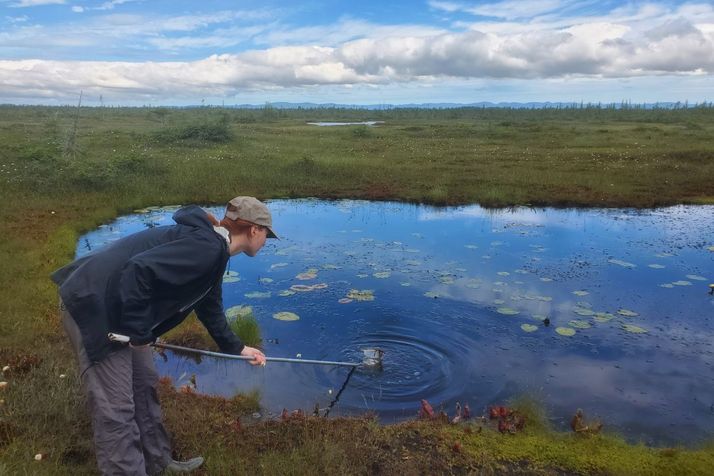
[[446, 105]]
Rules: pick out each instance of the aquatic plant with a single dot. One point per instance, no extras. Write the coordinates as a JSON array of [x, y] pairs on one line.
[[361, 295], [286, 316], [507, 311], [565, 331], [627, 313], [634, 329], [529, 327]]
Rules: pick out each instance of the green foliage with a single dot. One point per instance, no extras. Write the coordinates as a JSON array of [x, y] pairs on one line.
[[247, 329]]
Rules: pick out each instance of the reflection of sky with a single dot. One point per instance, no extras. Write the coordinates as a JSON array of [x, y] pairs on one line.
[[657, 386]]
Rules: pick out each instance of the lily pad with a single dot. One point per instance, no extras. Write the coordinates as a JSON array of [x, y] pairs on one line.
[[539, 317], [362, 275], [627, 313], [656, 266], [565, 331], [344, 300], [265, 280], [432, 294], [624, 264], [306, 276], [278, 265], [361, 295], [473, 247], [681, 283], [695, 277], [508, 311], [286, 316], [529, 327], [319, 286], [286, 292], [503, 273], [382, 274], [581, 293], [331, 266], [582, 311], [257, 295], [666, 285], [579, 324], [603, 316], [664, 255], [406, 284], [231, 273], [710, 248], [238, 311], [498, 302], [634, 329], [546, 280], [412, 262], [231, 279], [301, 288], [446, 280]]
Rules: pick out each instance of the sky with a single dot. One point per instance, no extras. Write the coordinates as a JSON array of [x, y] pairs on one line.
[[156, 52]]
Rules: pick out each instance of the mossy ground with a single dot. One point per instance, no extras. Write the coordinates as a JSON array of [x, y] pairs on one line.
[[119, 161]]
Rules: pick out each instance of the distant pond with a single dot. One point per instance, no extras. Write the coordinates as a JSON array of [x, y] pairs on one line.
[[457, 298]]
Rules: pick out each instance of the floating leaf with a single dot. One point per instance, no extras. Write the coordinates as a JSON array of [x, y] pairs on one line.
[[579, 324], [581, 293], [361, 295], [306, 276], [286, 292], [529, 327], [584, 304], [382, 274], [656, 266], [231, 273], [331, 266], [278, 265], [503, 273], [230, 279], [666, 285], [627, 313], [344, 300], [696, 277], [539, 317], [681, 283], [624, 264], [603, 316], [546, 280], [412, 262], [362, 275], [257, 295], [664, 255], [634, 329], [508, 311], [286, 316], [565, 331], [238, 311], [301, 288], [446, 280], [521, 271], [498, 302], [405, 284], [265, 280], [319, 286], [582, 311], [710, 248], [473, 247], [432, 294]]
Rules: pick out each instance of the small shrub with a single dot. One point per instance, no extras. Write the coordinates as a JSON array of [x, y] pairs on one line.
[[362, 132], [214, 132]]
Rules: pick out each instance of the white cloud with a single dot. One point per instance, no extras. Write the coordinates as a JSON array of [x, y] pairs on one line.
[[35, 3], [77, 9]]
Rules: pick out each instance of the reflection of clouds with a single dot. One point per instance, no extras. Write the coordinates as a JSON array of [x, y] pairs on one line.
[[521, 215]]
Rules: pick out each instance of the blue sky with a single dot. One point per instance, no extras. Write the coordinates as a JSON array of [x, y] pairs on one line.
[[135, 52]]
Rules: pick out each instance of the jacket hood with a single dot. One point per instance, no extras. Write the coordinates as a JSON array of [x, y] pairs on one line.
[[192, 215]]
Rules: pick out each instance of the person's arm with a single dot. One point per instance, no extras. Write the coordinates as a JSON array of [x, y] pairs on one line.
[[171, 264]]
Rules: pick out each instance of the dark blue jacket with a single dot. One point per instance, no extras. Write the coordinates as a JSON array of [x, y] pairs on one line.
[[147, 283]]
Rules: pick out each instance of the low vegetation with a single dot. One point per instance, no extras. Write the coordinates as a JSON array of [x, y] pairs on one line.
[[122, 159]]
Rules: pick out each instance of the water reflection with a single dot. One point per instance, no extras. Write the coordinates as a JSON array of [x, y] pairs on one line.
[[446, 293]]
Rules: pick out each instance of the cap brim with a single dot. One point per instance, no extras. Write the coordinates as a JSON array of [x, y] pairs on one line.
[[271, 233]]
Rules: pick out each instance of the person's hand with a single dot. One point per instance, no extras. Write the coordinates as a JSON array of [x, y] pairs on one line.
[[258, 356]]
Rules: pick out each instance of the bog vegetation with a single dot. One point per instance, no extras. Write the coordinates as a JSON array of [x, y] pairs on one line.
[[65, 170]]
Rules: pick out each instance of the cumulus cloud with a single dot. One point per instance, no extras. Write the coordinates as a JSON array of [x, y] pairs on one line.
[[630, 42]]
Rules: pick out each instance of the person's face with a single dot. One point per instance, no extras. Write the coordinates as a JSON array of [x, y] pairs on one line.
[[256, 239]]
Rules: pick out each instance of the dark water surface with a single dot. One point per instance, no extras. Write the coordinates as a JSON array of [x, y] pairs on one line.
[[454, 292]]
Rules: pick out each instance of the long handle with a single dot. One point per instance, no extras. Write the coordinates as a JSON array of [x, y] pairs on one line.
[[244, 357]]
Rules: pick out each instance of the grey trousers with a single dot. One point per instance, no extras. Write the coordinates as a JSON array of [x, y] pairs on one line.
[[129, 436]]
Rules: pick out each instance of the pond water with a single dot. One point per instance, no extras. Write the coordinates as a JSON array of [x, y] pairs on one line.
[[457, 297], [329, 124]]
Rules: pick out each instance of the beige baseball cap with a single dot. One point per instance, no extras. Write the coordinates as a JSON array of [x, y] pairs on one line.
[[251, 210]]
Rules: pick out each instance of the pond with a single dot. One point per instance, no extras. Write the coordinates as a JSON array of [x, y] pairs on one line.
[[331, 124], [457, 298]]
